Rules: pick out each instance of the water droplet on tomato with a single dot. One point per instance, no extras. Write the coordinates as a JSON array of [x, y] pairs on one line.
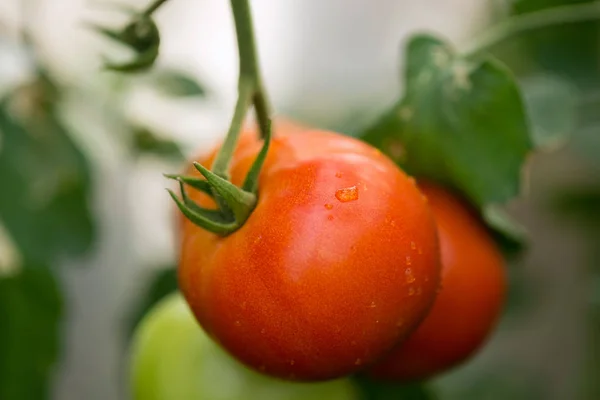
[[238, 323], [330, 217], [347, 194], [292, 362], [373, 305], [413, 245], [411, 291], [393, 223], [358, 361], [328, 206], [408, 260], [410, 278], [258, 239], [262, 331], [376, 321], [338, 174]]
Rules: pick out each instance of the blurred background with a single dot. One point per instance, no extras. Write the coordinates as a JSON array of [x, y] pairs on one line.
[[86, 236]]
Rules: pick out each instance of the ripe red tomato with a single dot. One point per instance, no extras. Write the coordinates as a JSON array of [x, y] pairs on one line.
[[310, 287], [470, 301]]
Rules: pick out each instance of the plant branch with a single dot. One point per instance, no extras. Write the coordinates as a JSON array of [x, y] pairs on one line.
[[153, 7], [527, 22]]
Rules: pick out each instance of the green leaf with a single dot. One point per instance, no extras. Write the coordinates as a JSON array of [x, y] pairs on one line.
[[571, 50], [178, 83], [147, 142], [579, 202], [141, 35], [461, 122], [383, 390], [552, 108], [45, 181], [30, 312], [509, 234]]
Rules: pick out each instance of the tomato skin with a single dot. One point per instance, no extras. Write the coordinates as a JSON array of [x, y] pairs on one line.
[[469, 304], [310, 287]]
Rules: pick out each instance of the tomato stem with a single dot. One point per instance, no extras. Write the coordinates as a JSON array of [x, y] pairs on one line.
[[527, 22], [234, 204], [249, 66], [223, 158]]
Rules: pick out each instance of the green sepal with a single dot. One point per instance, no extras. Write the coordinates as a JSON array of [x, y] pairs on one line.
[[214, 225], [251, 182], [240, 202], [197, 183], [215, 215]]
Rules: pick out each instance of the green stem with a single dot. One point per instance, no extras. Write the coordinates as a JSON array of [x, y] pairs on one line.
[[249, 86], [527, 22], [234, 204], [249, 67], [153, 7], [262, 110], [223, 158]]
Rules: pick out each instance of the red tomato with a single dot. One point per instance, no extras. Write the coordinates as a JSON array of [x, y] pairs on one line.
[[309, 288], [470, 301]]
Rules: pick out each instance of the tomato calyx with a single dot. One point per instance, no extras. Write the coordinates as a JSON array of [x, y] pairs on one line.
[[234, 204]]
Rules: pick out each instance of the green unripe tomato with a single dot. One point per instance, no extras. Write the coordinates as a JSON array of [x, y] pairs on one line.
[[173, 359]]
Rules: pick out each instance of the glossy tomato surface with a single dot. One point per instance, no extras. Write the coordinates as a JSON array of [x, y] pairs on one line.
[[171, 358], [471, 298], [310, 288]]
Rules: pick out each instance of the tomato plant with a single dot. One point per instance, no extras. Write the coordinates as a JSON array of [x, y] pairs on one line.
[[304, 254], [470, 299], [337, 262], [171, 358]]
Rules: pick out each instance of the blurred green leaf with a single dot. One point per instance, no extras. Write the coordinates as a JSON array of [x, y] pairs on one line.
[[30, 311], [582, 203], [141, 35], [509, 234], [382, 390], [586, 142], [177, 83], [552, 108], [45, 179], [571, 50], [503, 382], [461, 122], [163, 283], [147, 142]]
